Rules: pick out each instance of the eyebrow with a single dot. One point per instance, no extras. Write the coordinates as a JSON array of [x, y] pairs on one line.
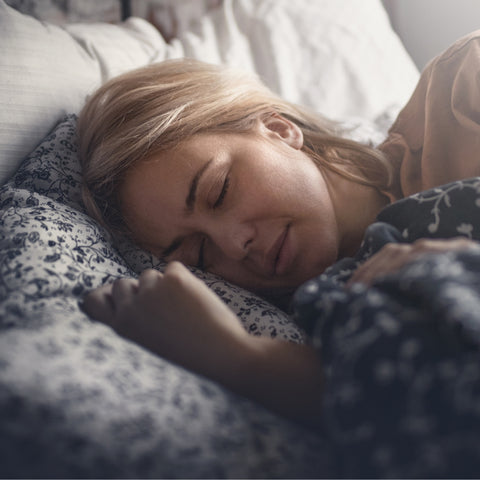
[[192, 193], [189, 204]]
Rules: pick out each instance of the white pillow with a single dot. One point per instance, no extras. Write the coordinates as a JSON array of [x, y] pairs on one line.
[[340, 57], [47, 71]]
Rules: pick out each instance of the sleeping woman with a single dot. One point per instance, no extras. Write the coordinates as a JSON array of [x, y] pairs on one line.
[[204, 166]]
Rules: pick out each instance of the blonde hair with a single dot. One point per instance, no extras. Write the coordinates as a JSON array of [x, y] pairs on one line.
[[155, 108]]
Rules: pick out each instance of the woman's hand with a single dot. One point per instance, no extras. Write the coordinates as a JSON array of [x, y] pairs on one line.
[[393, 256], [173, 314], [177, 316]]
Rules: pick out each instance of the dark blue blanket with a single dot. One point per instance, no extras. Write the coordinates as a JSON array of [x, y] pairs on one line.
[[402, 357]]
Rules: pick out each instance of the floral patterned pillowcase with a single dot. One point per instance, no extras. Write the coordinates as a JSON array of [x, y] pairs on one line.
[[52, 248], [76, 399]]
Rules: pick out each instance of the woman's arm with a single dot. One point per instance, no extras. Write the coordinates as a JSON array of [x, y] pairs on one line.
[[176, 316], [393, 256]]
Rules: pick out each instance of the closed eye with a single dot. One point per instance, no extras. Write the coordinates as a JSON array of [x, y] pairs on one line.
[[201, 255], [174, 246], [224, 191]]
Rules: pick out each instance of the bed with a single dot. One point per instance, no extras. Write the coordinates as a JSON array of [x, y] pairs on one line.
[[76, 400]]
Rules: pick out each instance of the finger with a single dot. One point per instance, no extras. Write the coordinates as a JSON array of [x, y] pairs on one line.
[[389, 258], [122, 291], [180, 278], [99, 305], [177, 268], [453, 244], [392, 257], [364, 271], [149, 278]]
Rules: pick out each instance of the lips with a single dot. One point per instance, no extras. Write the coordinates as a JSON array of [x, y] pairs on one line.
[[277, 256]]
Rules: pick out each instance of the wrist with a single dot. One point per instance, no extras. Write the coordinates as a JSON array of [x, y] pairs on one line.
[[285, 377]]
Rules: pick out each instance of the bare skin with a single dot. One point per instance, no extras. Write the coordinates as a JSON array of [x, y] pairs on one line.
[[178, 317], [394, 256], [256, 210], [250, 207]]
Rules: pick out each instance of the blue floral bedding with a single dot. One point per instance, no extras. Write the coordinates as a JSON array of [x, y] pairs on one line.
[[402, 394], [78, 401]]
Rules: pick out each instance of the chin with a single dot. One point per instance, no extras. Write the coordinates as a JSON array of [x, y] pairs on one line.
[[288, 288], [275, 291], [280, 297]]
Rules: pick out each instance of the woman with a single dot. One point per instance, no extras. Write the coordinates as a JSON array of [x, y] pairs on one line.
[[201, 165]]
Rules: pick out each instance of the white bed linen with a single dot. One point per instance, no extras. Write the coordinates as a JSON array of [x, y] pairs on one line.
[[340, 57]]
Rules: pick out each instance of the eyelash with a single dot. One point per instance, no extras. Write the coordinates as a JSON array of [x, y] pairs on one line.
[[200, 262], [217, 204], [224, 191]]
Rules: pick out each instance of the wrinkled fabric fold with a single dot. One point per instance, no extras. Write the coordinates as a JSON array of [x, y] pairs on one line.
[[402, 357]]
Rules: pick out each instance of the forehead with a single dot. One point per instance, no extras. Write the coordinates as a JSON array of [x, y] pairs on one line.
[[154, 192]]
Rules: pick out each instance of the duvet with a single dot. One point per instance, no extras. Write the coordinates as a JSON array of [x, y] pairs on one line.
[[402, 357]]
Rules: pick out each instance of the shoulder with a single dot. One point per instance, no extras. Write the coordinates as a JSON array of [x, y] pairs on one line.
[[458, 51], [434, 139]]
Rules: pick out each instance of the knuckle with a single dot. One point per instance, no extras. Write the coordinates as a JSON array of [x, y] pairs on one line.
[[175, 266], [422, 244], [390, 247], [120, 285], [178, 278], [148, 274], [395, 248], [175, 271]]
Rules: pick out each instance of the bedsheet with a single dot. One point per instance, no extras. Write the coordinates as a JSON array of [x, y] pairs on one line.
[[402, 357]]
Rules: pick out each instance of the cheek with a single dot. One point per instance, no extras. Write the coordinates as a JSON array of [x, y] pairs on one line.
[[303, 185], [323, 243], [272, 193]]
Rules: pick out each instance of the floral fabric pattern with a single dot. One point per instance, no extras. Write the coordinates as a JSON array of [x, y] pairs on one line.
[[403, 356], [76, 400]]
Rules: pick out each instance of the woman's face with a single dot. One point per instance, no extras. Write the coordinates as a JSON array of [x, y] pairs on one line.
[[250, 207]]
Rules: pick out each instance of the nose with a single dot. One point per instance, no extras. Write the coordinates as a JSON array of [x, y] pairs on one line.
[[233, 237]]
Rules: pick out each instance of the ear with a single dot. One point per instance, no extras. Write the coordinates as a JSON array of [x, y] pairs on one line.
[[279, 127]]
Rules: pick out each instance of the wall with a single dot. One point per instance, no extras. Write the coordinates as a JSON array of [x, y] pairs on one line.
[[427, 27]]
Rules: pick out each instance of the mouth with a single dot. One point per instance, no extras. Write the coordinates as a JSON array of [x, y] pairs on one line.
[[280, 253]]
